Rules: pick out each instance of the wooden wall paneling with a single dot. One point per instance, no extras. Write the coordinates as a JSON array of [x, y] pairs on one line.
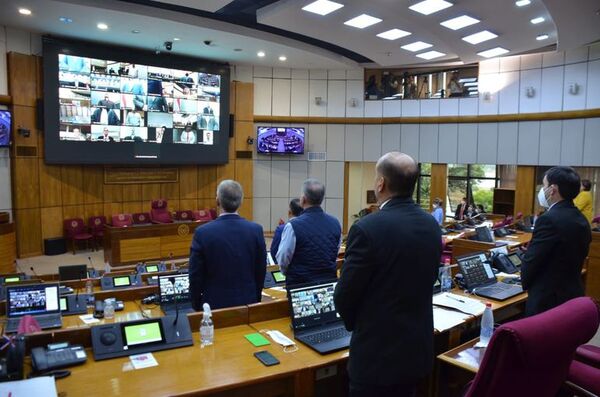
[[231, 147], [188, 182], [207, 181], [72, 184], [439, 183], [113, 193], [24, 117], [244, 171], [95, 209], [150, 191], [204, 203], [345, 226], [29, 232], [592, 285], [39, 71], [246, 210], [131, 207], [93, 184], [174, 205], [26, 185], [22, 79], [525, 190], [74, 211], [243, 130], [114, 208], [50, 184], [226, 171], [132, 192], [169, 191], [244, 101], [188, 204], [51, 219]]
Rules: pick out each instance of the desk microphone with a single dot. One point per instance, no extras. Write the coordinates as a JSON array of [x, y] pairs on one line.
[[33, 271], [91, 264]]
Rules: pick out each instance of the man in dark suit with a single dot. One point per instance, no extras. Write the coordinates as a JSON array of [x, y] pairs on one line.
[[294, 210], [228, 257], [384, 292], [551, 270], [461, 210]]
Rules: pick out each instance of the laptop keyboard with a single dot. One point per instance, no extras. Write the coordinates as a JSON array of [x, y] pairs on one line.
[[44, 322], [326, 336]]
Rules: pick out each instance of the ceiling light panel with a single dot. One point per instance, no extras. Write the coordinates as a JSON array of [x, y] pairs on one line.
[[431, 55], [522, 3], [362, 21], [323, 7], [393, 34], [416, 46], [537, 20], [428, 7], [480, 37], [459, 22], [494, 52], [542, 37]]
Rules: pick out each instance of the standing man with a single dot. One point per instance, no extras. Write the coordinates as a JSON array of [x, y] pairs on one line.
[[310, 242], [228, 257], [461, 210], [551, 269], [384, 292], [294, 210]]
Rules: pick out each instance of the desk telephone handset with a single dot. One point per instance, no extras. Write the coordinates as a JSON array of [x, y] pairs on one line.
[[58, 355], [503, 263]]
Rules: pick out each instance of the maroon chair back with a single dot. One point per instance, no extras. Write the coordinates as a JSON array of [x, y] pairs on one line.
[[213, 213], [73, 227], [96, 223], [508, 220], [141, 218], [519, 216], [533, 355], [184, 216], [122, 220], [596, 219], [202, 215], [159, 212]]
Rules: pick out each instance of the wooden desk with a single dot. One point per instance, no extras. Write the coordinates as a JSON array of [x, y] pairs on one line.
[[8, 248], [592, 282], [128, 245], [464, 246], [465, 356]]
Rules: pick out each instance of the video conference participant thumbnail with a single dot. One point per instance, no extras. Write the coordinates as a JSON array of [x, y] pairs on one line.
[[134, 134]]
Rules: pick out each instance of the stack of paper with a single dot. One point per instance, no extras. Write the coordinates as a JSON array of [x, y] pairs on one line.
[[445, 319], [460, 303], [44, 386]]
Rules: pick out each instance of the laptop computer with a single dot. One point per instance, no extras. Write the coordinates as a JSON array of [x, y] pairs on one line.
[[479, 278], [72, 272], [174, 293], [38, 300], [315, 321]]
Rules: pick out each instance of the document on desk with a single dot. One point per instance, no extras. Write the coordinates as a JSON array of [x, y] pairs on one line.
[[43, 386], [444, 319], [459, 302]]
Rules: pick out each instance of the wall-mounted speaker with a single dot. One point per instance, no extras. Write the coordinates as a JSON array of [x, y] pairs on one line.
[[39, 114], [231, 122]]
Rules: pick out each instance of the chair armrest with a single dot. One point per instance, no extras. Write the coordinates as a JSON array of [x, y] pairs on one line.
[[588, 354]]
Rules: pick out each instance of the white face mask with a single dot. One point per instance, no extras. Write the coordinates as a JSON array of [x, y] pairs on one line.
[[542, 198]]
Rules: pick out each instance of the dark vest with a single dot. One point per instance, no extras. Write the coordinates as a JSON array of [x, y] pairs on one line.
[[317, 240]]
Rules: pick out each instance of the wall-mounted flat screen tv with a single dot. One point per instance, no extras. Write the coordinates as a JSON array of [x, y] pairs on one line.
[[280, 140], [5, 127], [113, 105]]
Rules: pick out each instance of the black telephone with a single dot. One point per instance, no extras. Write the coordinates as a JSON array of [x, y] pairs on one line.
[[57, 355], [444, 230], [11, 366], [503, 264], [501, 232]]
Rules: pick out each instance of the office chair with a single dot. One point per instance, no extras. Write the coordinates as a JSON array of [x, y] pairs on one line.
[[531, 356], [141, 218], [202, 215], [122, 220], [159, 212], [584, 373], [75, 232], [184, 216], [96, 227]]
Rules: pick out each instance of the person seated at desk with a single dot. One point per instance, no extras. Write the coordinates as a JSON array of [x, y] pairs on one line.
[[228, 256], [294, 210], [461, 210], [310, 242], [438, 212]]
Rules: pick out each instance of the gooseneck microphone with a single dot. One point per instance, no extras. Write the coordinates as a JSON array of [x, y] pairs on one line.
[[172, 280]]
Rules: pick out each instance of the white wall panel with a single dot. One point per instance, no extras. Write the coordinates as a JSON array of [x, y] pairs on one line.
[[373, 108], [317, 169], [354, 143], [280, 178], [263, 71], [372, 142], [594, 52], [510, 64], [298, 174], [410, 108], [317, 88], [575, 73], [354, 91], [242, 73], [300, 74], [448, 143], [488, 83], [281, 97], [467, 106], [336, 94], [317, 140], [533, 61], [530, 78], [576, 55], [467, 143], [262, 178], [593, 85], [18, 41], [409, 140], [529, 143], [336, 74], [489, 66], [355, 74], [550, 141], [591, 146], [449, 107], [3, 69], [390, 138], [5, 194], [430, 107], [552, 89], [487, 143], [335, 142], [262, 96], [282, 73], [508, 137], [573, 135], [279, 210], [508, 95], [317, 74], [392, 108], [299, 98], [428, 143], [335, 208], [261, 213], [335, 179], [555, 58]]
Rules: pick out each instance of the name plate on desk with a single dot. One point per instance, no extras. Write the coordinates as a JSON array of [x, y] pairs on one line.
[[117, 175]]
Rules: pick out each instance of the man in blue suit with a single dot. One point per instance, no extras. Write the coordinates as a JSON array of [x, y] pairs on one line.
[[228, 256], [294, 211]]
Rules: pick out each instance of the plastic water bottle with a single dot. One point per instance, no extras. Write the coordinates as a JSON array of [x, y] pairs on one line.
[[109, 308], [89, 287], [446, 276], [173, 265], [207, 328], [487, 325], [106, 267]]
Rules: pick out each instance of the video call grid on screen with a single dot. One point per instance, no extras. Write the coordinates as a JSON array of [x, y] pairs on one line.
[[171, 286], [117, 95], [33, 299], [313, 301]]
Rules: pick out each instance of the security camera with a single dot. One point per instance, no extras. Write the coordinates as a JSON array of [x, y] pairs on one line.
[[168, 45], [250, 140], [207, 42]]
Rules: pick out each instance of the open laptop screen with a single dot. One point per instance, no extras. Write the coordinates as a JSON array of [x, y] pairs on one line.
[[174, 285], [32, 299], [72, 272], [475, 270], [312, 305]]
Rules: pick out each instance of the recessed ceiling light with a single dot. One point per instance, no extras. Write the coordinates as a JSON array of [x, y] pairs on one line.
[[283, 58], [494, 52], [176, 39], [522, 3], [260, 54], [135, 31], [322, 7], [459, 22], [537, 20], [102, 26], [431, 55], [480, 37], [65, 20], [393, 34], [362, 21], [416, 46], [430, 6], [24, 11], [542, 37]]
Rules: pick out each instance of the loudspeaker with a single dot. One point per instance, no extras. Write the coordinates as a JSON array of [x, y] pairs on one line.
[[55, 246], [39, 114], [231, 123]]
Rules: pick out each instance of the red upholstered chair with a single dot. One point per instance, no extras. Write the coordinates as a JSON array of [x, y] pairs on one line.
[[75, 231], [508, 221], [184, 216], [533, 355], [159, 212], [141, 218], [96, 227], [122, 220], [202, 215], [213, 213], [519, 216]]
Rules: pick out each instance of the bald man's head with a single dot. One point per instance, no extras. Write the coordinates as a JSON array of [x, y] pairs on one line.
[[400, 173]]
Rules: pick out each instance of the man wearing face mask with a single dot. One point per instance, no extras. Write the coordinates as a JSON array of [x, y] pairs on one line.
[[551, 270]]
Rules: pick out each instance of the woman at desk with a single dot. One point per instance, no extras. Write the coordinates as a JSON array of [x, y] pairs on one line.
[[438, 212]]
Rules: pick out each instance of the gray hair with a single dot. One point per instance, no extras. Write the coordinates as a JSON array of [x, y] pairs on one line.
[[313, 191], [230, 195]]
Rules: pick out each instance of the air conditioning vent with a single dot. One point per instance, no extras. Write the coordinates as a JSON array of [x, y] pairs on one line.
[[317, 156]]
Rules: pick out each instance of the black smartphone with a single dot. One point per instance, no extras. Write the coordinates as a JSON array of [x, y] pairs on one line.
[[266, 358], [99, 309]]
